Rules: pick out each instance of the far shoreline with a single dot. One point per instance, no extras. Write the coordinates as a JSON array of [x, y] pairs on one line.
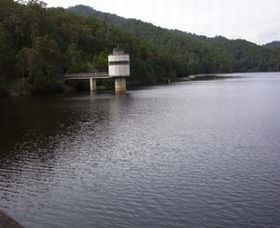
[[137, 86]]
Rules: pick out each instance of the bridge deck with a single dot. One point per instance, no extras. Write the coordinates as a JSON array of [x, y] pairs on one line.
[[97, 75]]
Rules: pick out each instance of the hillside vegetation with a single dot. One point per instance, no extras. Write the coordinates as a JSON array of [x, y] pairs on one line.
[[39, 44], [192, 53]]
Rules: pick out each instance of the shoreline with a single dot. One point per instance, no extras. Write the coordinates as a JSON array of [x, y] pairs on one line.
[[137, 85], [8, 222], [132, 86]]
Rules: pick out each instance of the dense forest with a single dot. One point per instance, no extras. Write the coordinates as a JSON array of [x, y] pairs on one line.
[[192, 53], [39, 44]]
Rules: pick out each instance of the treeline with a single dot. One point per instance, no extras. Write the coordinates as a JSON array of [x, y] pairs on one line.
[[40, 44], [194, 54]]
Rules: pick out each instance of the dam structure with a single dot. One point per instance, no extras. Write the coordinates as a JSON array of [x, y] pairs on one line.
[[118, 69]]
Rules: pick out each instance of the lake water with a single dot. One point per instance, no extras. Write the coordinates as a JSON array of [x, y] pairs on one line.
[[192, 154]]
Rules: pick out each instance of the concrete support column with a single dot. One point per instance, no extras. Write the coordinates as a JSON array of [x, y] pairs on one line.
[[120, 85], [92, 83]]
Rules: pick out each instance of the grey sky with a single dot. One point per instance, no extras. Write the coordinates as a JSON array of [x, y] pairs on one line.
[[254, 20]]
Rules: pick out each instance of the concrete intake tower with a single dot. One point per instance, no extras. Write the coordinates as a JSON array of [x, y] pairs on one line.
[[119, 69]]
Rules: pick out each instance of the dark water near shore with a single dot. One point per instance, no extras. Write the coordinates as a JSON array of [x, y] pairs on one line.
[[193, 154]]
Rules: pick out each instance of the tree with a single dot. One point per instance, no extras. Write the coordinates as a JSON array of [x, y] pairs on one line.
[[46, 42], [73, 59], [100, 61], [41, 64]]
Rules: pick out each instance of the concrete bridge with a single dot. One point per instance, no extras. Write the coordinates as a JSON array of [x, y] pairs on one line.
[[92, 77], [118, 68]]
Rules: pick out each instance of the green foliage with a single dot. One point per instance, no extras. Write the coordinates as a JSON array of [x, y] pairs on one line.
[[44, 64], [100, 62], [73, 59], [40, 64], [39, 44], [194, 54]]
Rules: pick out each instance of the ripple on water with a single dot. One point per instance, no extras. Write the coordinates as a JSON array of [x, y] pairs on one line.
[[196, 154]]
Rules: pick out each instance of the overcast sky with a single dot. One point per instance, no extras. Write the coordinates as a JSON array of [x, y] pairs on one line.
[[254, 20]]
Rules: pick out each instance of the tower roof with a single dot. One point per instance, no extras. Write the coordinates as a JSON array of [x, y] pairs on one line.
[[118, 51]]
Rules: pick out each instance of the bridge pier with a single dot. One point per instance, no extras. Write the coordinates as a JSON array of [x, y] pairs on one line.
[[118, 69], [92, 83], [120, 85]]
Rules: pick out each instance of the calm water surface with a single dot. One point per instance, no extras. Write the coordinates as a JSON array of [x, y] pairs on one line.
[[193, 154]]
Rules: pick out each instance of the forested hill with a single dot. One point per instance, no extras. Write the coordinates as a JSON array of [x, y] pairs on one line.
[[273, 45], [39, 44], [194, 54]]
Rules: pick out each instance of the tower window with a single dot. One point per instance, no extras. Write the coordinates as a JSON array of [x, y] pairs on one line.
[[119, 63]]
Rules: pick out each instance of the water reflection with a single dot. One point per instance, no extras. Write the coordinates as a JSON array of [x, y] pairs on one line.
[[198, 154]]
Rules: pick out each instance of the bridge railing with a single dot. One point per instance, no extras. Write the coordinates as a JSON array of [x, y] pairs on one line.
[[87, 75]]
